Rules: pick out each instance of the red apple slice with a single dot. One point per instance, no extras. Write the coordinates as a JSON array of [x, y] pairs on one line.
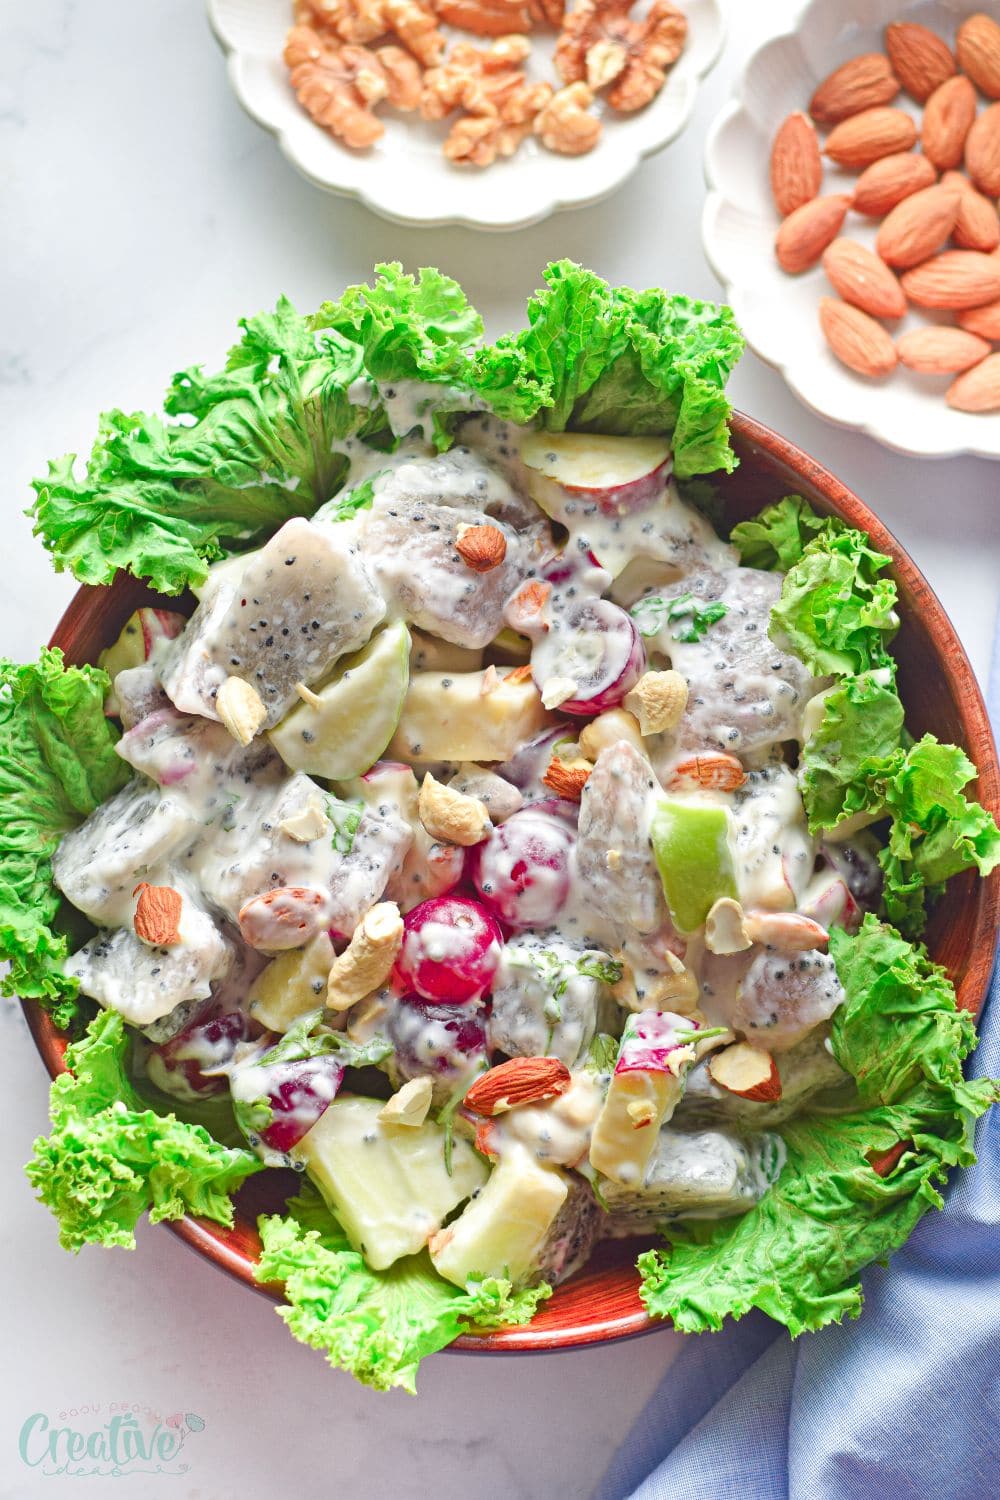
[[746, 1071], [619, 474]]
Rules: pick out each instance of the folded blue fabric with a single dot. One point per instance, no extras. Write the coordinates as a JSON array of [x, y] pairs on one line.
[[905, 1402]]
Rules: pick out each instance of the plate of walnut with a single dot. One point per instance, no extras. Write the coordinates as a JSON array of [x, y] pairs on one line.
[[487, 113]]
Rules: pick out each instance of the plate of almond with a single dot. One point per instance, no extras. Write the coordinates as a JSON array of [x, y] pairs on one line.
[[852, 217], [488, 113]]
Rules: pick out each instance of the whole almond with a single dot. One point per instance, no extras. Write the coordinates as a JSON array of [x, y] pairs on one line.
[[982, 152], [978, 389], [523, 1080], [863, 279], [948, 116], [796, 168], [983, 320], [889, 180], [940, 351], [978, 48], [920, 59], [805, 234], [861, 83], [481, 548], [955, 280], [862, 139], [856, 339], [977, 226], [157, 914], [918, 226]]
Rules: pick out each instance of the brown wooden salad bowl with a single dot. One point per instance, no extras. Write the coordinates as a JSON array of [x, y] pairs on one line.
[[941, 695]]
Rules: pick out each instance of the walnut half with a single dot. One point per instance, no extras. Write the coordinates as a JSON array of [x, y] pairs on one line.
[[600, 46], [566, 125]]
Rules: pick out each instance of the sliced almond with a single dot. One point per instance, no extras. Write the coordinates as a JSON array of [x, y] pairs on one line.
[[796, 168], [863, 279], [919, 58], [948, 114], [857, 85], [889, 180], [955, 280], [918, 226], [157, 914], [748, 1072], [856, 339], [985, 321], [977, 47], [940, 351], [805, 234], [982, 152], [978, 389], [857, 142], [977, 226]]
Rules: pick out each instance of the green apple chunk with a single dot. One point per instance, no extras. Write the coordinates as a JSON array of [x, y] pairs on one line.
[[387, 1184], [342, 729], [503, 1230], [691, 842]]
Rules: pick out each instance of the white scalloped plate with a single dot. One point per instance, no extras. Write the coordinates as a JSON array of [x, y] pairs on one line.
[[405, 177], [779, 313]]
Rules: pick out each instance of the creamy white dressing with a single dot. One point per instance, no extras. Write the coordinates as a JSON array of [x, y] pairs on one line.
[[205, 816]]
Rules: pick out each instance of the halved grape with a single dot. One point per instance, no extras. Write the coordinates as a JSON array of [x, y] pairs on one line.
[[451, 947], [593, 651], [298, 1093], [522, 870], [192, 1063], [442, 1040]]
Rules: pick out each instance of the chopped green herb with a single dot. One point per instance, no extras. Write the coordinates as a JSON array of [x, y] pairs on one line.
[[653, 612]]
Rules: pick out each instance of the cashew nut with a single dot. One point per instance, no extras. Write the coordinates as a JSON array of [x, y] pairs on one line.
[[409, 1105], [725, 931], [241, 709], [658, 701], [452, 816], [607, 729], [367, 960]]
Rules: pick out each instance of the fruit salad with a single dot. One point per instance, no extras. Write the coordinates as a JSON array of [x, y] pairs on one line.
[[497, 842]]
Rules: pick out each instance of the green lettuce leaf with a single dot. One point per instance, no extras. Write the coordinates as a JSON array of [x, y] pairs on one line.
[[935, 831], [798, 1254], [255, 447], [862, 725], [610, 359], [57, 763], [378, 1325], [777, 538], [836, 611], [407, 327], [109, 1159]]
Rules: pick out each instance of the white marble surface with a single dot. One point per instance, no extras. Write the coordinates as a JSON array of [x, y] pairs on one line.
[[143, 213]]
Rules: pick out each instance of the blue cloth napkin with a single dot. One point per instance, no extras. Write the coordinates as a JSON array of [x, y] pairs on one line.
[[905, 1402]]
